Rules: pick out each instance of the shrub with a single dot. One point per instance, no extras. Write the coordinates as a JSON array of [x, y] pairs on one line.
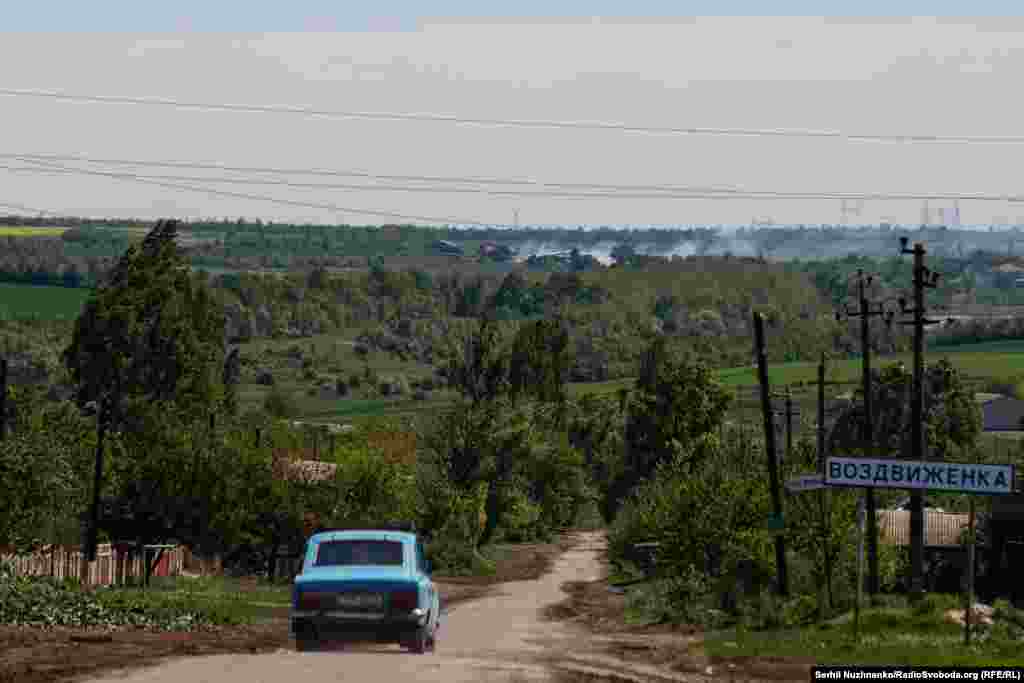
[[452, 547], [936, 603], [521, 515], [280, 403]]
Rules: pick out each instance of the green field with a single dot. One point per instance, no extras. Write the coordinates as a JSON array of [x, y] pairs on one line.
[[22, 231], [49, 303], [969, 359], [1001, 346], [979, 363]]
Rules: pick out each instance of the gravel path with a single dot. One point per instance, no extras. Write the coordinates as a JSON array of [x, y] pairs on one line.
[[502, 637]]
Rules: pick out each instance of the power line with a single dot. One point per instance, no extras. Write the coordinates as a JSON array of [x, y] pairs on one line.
[[370, 188], [353, 174], [675, 193], [28, 209], [276, 200], [688, 190], [519, 123]]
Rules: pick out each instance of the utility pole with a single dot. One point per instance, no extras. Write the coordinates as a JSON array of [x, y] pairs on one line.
[[821, 415], [769, 435], [788, 412], [789, 425], [3, 399], [826, 590], [923, 278], [102, 413], [865, 313]]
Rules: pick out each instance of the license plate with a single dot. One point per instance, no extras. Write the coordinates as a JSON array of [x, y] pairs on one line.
[[360, 600], [368, 616]]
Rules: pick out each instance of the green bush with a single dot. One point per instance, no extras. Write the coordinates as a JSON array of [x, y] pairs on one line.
[[280, 403], [452, 547], [936, 603], [521, 515]]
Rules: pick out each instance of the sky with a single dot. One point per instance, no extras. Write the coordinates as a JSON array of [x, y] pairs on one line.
[[892, 73]]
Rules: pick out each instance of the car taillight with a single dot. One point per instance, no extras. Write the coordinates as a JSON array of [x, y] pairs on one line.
[[405, 601], [313, 600]]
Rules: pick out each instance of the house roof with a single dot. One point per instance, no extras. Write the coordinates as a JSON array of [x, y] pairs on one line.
[[290, 466], [1002, 415]]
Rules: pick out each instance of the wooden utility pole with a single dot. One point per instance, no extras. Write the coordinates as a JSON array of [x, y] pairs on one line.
[[823, 493], [789, 425], [3, 399], [788, 412], [923, 278], [769, 435], [865, 313], [103, 412], [821, 415]]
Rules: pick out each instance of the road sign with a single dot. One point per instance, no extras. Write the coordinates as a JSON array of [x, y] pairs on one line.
[[974, 478], [808, 482]]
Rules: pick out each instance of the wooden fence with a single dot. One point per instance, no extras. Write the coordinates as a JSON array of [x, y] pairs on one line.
[[113, 566], [941, 529]]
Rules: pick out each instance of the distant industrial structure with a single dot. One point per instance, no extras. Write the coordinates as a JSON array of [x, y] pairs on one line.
[[446, 247]]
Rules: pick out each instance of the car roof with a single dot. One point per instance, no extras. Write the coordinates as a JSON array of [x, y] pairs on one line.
[[364, 534]]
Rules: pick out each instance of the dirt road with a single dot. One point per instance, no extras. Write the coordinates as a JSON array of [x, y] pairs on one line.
[[502, 637]]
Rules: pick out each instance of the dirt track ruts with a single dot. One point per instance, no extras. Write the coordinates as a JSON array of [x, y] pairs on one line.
[[501, 637]]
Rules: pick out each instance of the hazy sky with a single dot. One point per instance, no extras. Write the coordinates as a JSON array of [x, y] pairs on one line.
[[941, 76]]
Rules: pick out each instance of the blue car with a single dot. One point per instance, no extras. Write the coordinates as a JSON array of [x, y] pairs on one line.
[[365, 585]]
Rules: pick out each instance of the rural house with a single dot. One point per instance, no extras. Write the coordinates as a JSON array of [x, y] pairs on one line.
[[1002, 415]]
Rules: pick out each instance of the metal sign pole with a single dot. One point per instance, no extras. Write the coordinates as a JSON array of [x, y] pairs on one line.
[[860, 568], [970, 574]]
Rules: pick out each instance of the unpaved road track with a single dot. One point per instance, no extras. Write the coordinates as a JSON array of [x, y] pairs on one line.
[[501, 637]]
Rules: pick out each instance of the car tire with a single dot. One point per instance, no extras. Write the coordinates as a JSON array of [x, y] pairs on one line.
[[306, 644], [419, 640]]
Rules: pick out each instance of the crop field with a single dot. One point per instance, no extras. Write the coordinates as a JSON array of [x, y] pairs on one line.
[[22, 231], [49, 303], [970, 360], [1000, 346], [335, 352]]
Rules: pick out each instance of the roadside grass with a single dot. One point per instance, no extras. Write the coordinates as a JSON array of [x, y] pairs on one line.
[[178, 604], [241, 601], [888, 636], [47, 302]]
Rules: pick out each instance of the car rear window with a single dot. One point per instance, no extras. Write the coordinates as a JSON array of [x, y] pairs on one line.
[[359, 552]]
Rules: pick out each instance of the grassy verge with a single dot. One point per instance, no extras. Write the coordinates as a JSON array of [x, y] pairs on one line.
[[237, 600], [888, 636], [171, 604]]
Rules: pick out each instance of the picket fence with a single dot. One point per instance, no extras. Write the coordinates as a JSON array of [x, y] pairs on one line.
[[111, 567]]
